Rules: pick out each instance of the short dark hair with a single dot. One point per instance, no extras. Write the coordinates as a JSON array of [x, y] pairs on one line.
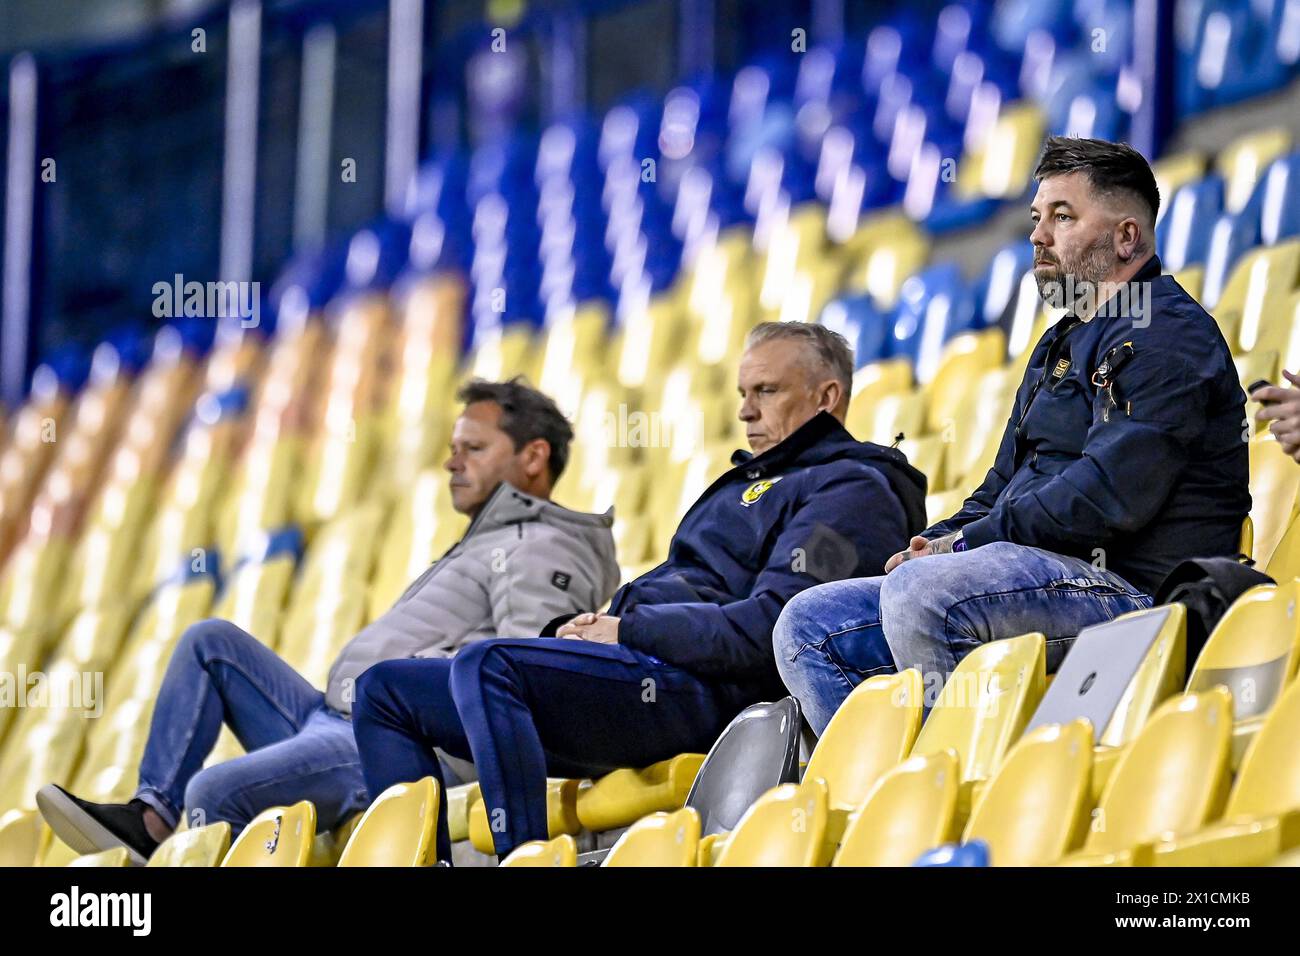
[[526, 415], [1110, 167]]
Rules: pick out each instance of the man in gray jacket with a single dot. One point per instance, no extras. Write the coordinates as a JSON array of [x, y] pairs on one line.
[[523, 561]]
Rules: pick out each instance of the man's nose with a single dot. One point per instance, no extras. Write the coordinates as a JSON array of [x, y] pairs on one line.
[[1040, 237], [747, 411]]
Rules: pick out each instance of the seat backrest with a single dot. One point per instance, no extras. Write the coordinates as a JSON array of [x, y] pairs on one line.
[[909, 810], [561, 851], [1033, 809], [783, 828], [871, 732], [986, 703], [280, 836], [202, 846], [20, 837], [1274, 480], [660, 839], [1268, 782], [117, 856], [1285, 562], [398, 829], [1253, 650], [758, 750], [1171, 778]]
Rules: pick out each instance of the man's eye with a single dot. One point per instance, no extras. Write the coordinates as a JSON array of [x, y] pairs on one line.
[[1062, 217]]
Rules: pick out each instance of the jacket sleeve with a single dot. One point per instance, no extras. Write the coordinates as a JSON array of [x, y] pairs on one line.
[[825, 539], [546, 575], [981, 500], [1128, 466]]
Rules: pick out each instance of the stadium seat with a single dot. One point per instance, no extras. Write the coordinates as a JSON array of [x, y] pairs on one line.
[[869, 734], [20, 837], [984, 706], [116, 857], [1253, 652], [280, 836], [1262, 817], [975, 853], [659, 839], [1169, 781], [1242, 163], [622, 797], [559, 851], [202, 846], [785, 827], [757, 751], [397, 829], [910, 810], [561, 813], [1034, 809], [1274, 481]]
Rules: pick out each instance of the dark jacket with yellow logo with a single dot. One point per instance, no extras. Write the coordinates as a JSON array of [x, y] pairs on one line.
[[818, 507], [1127, 441]]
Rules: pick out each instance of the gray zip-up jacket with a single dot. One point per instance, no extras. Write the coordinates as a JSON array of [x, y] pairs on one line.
[[522, 563]]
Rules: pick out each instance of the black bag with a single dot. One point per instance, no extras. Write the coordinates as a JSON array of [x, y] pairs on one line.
[[1207, 587]]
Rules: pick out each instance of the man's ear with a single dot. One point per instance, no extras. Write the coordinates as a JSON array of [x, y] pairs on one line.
[[830, 395], [536, 457], [1128, 239]]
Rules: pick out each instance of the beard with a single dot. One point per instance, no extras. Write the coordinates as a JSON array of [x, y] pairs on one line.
[[1075, 282]]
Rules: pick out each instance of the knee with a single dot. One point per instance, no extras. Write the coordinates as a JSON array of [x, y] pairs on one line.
[[795, 628], [480, 661], [210, 638], [209, 798], [907, 598], [375, 695]]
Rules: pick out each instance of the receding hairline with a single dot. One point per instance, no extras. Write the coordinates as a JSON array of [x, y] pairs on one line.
[[819, 349]]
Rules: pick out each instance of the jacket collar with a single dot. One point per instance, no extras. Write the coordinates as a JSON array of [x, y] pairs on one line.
[[811, 436]]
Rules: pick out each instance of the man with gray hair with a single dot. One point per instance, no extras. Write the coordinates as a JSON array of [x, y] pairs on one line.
[[686, 646]]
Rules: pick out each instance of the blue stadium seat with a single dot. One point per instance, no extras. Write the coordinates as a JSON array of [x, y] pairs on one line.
[[975, 853], [1183, 233]]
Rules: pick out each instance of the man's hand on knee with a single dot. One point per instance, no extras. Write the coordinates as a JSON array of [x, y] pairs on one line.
[[921, 547]]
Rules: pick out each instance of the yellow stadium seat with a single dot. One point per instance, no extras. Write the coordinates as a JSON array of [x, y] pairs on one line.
[[943, 504], [202, 846], [1034, 808], [871, 383], [1253, 651], [1284, 565], [1004, 159], [927, 455], [891, 415], [560, 851], [1274, 480], [561, 813], [784, 827], [984, 707], [254, 596], [1168, 782], [1262, 816], [870, 733], [1192, 279], [1174, 171], [1260, 284], [398, 829], [966, 358], [1243, 161], [624, 796], [660, 839], [887, 263], [976, 427], [118, 856], [280, 836], [909, 810], [20, 837]]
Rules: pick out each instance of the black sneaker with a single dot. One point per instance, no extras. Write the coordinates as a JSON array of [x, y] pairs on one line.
[[91, 827]]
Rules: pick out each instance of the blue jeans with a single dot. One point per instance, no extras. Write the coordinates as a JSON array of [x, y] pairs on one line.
[[930, 612], [526, 709], [298, 748]]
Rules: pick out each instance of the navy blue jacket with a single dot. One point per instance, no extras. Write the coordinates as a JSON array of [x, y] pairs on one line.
[[1140, 476], [820, 506]]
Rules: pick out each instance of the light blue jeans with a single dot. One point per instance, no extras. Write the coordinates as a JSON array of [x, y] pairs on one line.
[[298, 748], [930, 612]]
